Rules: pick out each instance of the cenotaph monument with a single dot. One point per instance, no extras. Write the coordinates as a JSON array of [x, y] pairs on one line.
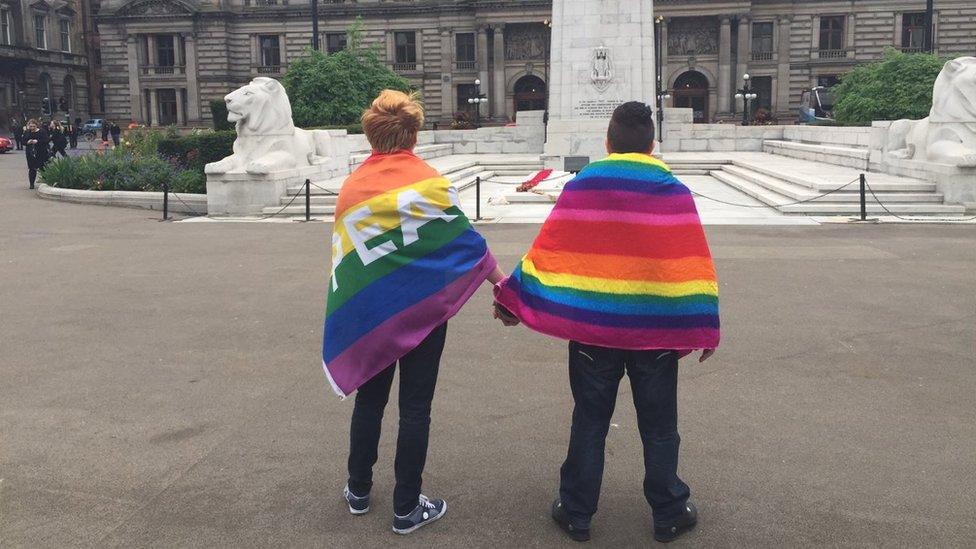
[[602, 55]]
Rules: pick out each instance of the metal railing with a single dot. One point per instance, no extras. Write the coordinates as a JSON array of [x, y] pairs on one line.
[[162, 70]]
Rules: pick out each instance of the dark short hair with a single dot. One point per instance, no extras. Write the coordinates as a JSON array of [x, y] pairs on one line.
[[631, 128]]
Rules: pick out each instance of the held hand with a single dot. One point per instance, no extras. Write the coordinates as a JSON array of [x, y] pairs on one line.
[[706, 354], [507, 318]]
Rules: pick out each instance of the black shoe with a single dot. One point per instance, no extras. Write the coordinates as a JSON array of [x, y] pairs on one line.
[[562, 519], [673, 529], [426, 512], [358, 505]]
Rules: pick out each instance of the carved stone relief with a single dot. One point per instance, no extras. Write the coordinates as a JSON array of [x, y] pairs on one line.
[[524, 42], [693, 35]]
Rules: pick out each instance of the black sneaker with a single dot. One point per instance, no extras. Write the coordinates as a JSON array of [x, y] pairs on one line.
[[673, 529], [426, 512], [562, 519], [358, 505]]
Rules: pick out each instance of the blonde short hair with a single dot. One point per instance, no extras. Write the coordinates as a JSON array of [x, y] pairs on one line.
[[391, 123]]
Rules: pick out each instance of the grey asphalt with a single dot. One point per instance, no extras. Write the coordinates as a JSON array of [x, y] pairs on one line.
[[161, 386]]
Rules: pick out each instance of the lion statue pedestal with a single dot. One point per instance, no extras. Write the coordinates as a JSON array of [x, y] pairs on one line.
[[270, 153], [942, 147]]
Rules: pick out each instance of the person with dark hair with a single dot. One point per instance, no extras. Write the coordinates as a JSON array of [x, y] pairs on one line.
[[72, 130], [106, 126], [36, 140], [116, 131], [17, 129], [621, 269], [59, 139]]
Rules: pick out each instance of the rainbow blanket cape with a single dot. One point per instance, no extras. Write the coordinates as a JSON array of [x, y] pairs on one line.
[[404, 260], [621, 262]]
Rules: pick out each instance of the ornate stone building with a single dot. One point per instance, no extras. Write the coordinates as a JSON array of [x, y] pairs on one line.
[[163, 61], [42, 55]]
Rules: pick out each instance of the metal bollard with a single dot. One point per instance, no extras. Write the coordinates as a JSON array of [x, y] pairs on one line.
[[477, 198], [308, 200], [864, 205], [165, 201]]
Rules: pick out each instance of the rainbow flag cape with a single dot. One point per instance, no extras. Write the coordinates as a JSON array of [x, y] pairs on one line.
[[621, 262], [404, 260]]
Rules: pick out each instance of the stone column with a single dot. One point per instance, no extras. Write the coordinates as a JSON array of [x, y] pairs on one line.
[[180, 120], [782, 104], [192, 86], [482, 47], [151, 52], [744, 48], [135, 91], [447, 71], [153, 108], [725, 65], [498, 77]]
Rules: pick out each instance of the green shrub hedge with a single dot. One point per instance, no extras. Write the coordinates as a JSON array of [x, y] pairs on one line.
[[121, 170], [193, 152], [218, 109]]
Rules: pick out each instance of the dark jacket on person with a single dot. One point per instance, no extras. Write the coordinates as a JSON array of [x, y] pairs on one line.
[[116, 130], [105, 128], [37, 154], [59, 140]]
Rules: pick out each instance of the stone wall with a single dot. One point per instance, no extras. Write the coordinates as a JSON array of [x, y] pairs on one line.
[[678, 134]]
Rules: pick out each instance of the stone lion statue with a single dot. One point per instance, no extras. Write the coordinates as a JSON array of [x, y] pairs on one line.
[[948, 135], [267, 139]]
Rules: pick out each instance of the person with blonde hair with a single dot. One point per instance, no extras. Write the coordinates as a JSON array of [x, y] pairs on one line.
[[404, 260]]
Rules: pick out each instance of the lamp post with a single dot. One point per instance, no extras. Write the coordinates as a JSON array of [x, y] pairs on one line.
[[746, 95], [658, 21], [662, 96], [545, 115], [315, 25], [477, 101]]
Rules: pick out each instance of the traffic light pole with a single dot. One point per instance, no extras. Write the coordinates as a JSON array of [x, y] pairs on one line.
[[929, 16]]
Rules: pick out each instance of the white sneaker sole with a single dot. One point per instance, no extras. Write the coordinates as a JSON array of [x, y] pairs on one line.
[[357, 511], [345, 497], [422, 524]]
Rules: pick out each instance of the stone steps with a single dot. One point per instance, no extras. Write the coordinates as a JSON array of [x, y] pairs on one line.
[[827, 179], [780, 192], [427, 152], [848, 194]]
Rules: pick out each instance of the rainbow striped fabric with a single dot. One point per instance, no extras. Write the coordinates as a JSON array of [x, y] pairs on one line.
[[621, 262], [404, 260]]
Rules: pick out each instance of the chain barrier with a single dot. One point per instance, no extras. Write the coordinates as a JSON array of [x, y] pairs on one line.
[[893, 214], [804, 201]]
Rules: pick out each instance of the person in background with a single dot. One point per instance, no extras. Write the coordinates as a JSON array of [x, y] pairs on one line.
[[17, 128], [116, 132], [106, 126], [36, 141], [73, 129], [59, 139]]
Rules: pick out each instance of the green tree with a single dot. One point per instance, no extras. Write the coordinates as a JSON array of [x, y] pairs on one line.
[[332, 90], [218, 108], [897, 86]]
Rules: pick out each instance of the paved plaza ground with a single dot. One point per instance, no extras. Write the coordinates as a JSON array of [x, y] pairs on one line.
[[161, 386]]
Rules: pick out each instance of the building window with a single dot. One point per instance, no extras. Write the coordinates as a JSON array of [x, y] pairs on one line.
[[40, 32], [763, 87], [762, 41], [832, 33], [165, 51], [465, 92], [270, 53], [69, 94], [335, 42], [828, 80], [65, 28], [464, 50], [5, 34], [406, 50], [913, 32]]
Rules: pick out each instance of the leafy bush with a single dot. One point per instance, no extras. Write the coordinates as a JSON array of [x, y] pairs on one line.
[[218, 109], [898, 86], [335, 89], [121, 170], [194, 151]]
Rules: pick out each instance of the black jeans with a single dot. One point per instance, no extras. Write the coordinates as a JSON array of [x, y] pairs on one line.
[[594, 376], [418, 377]]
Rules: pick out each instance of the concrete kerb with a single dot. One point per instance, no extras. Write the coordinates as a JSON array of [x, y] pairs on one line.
[[186, 203]]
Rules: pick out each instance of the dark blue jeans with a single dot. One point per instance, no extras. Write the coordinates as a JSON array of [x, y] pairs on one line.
[[418, 377], [594, 376]]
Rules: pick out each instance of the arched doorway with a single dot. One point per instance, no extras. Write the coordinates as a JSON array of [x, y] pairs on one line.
[[530, 94], [691, 91]]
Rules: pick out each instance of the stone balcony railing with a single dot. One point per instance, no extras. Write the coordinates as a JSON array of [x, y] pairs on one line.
[[162, 70], [831, 55], [405, 67], [466, 65], [269, 69], [912, 50], [761, 56]]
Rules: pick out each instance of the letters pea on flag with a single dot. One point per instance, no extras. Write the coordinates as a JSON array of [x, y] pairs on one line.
[[404, 260]]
